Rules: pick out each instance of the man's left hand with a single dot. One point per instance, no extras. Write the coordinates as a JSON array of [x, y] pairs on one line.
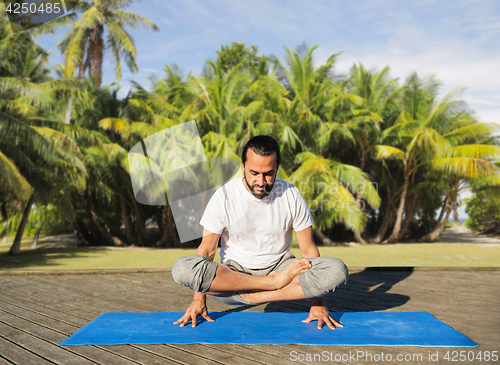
[[320, 313]]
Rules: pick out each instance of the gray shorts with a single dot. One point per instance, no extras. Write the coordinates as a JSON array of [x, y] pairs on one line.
[[326, 275]]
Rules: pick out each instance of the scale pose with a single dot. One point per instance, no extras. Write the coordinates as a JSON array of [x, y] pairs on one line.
[[255, 216]]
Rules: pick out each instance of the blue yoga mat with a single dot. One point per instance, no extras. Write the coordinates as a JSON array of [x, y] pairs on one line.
[[276, 328]]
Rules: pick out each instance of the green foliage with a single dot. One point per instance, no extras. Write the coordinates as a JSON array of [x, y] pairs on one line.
[[237, 54], [52, 218], [339, 136], [483, 209]]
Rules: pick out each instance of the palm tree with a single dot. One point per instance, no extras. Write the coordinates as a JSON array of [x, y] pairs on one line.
[[374, 106], [466, 159], [84, 45], [430, 134], [144, 114], [33, 157]]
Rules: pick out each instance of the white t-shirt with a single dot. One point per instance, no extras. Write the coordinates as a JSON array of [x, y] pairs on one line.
[[256, 233]]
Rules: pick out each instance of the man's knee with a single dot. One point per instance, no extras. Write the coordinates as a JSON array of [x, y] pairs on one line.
[[337, 272], [326, 275], [195, 272], [180, 271]]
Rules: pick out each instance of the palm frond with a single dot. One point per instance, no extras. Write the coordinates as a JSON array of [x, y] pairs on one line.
[[131, 19], [475, 151], [12, 181], [465, 167], [114, 124], [381, 152]]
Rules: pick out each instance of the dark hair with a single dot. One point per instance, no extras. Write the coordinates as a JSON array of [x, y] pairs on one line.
[[262, 145]]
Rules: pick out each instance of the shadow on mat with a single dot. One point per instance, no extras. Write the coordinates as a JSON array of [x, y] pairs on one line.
[[365, 291]]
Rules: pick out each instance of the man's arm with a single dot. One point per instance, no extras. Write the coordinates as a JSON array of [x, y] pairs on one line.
[[198, 307], [306, 243], [318, 311]]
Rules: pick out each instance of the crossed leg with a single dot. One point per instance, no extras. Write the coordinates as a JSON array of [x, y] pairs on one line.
[[229, 280], [291, 291], [292, 279]]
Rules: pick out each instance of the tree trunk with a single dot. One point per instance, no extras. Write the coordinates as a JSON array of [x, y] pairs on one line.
[[442, 211], [37, 234], [399, 217], [383, 227], [3, 210], [358, 238], [169, 238], [129, 231], [81, 234], [325, 241], [96, 47], [67, 119], [409, 214], [108, 237], [92, 232], [432, 236], [69, 110], [159, 218], [141, 228], [15, 249]]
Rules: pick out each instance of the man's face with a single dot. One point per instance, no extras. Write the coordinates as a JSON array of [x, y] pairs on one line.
[[260, 173]]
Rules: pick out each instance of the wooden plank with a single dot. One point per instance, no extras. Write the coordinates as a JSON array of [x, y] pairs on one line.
[[40, 290], [14, 295], [40, 347], [18, 355], [176, 354], [480, 279], [249, 353], [127, 295], [61, 316], [72, 298], [100, 294], [140, 355], [218, 355], [162, 301], [485, 282], [275, 350], [121, 350], [41, 319], [81, 298], [164, 291], [4, 361], [54, 338]]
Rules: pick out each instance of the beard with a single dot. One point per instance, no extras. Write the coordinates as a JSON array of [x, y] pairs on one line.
[[259, 194]]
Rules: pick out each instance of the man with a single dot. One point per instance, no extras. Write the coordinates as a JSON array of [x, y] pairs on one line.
[[254, 216]]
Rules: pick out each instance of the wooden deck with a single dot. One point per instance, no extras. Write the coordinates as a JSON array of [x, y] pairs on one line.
[[39, 311]]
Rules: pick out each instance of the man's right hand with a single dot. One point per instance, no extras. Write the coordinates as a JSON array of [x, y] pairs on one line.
[[197, 308]]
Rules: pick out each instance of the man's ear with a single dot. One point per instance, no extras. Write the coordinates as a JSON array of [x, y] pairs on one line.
[[242, 168]]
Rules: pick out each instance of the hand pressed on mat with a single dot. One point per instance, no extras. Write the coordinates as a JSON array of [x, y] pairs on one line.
[[198, 307], [320, 313]]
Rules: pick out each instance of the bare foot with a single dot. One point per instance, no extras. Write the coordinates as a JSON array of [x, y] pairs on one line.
[[282, 278], [251, 297]]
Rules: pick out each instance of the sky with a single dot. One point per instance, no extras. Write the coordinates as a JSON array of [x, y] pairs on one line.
[[456, 41]]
